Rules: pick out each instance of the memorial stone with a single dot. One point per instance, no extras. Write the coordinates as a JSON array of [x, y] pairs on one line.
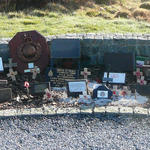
[[76, 88], [58, 77], [39, 88], [29, 47], [5, 94], [102, 92]]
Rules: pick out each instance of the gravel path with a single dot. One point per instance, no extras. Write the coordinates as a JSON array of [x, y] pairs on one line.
[[75, 132]]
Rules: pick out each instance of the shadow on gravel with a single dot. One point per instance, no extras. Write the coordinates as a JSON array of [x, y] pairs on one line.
[[118, 118]]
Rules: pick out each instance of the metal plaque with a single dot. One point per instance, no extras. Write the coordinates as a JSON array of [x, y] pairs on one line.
[[29, 47], [3, 82], [5, 94], [65, 48], [76, 87], [39, 88]]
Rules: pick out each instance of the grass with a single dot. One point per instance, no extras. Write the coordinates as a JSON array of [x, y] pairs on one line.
[[60, 20]]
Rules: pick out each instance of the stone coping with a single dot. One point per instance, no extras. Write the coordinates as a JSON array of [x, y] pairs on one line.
[[51, 110], [91, 36]]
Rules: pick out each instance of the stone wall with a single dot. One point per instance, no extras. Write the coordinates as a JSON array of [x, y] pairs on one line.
[[93, 46]]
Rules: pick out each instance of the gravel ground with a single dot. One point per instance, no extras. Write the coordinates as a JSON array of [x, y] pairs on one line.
[[75, 132]]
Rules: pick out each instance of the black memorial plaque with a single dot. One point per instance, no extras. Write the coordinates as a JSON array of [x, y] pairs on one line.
[[65, 48], [5, 94], [61, 75], [39, 88], [119, 62]]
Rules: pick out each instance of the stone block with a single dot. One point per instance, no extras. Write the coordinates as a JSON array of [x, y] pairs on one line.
[[140, 110], [86, 109], [126, 110], [112, 109], [99, 109]]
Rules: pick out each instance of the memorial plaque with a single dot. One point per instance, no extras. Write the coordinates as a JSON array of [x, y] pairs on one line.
[[102, 92], [119, 62], [1, 65], [39, 88], [5, 94], [59, 76], [3, 83], [28, 48], [76, 87], [116, 78], [65, 48]]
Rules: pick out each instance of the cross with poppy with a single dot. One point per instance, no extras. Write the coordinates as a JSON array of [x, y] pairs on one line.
[[85, 73]]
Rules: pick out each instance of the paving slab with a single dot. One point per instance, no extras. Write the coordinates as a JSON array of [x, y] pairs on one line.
[[126, 110], [36, 111], [86, 109], [99, 109], [140, 110], [112, 109]]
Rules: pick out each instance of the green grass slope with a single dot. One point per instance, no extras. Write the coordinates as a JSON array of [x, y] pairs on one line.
[[80, 17]]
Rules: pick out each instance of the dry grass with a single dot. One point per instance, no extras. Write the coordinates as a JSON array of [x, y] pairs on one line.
[[141, 14], [145, 5], [123, 14]]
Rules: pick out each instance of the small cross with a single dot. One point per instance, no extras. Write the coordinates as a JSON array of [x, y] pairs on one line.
[[141, 81], [137, 73], [35, 71], [48, 94], [11, 64], [12, 74], [85, 73], [50, 73], [115, 90], [84, 96]]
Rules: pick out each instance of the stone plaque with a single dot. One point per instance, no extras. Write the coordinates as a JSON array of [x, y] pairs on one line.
[[102, 92], [5, 94], [3, 82], [59, 76], [1, 65], [27, 48], [39, 88], [76, 87]]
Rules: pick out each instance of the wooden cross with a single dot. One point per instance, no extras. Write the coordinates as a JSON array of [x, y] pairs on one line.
[[141, 81], [12, 74], [47, 95], [115, 90], [11, 64], [137, 73], [34, 72], [84, 96], [85, 73], [50, 73]]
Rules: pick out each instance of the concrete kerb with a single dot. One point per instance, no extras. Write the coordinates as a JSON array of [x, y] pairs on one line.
[[51, 110]]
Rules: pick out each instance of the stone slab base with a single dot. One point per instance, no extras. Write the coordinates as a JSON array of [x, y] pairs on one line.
[[49, 110]]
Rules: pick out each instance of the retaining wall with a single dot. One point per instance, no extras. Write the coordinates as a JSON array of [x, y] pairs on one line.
[[93, 46]]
